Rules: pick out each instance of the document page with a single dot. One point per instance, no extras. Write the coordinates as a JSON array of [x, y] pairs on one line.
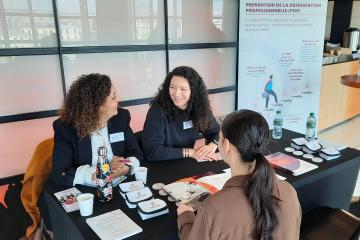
[[113, 225]]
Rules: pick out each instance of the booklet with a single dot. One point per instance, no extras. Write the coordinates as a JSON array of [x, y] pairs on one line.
[[114, 225], [289, 164], [67, 198], [186, 189]]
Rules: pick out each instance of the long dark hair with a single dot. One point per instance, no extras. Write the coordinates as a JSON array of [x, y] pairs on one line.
[[83, 100], [248, 131], [198, 108]]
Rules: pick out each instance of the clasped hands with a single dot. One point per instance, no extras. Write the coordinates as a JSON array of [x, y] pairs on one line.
[[206, 152], [118, 168]]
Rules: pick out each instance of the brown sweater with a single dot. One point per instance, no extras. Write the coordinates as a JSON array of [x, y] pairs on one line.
[[228, 214]]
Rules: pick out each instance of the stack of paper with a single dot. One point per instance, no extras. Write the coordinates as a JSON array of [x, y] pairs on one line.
[[113, 225]]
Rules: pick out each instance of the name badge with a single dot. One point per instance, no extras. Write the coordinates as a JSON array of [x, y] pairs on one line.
[[117, 137], [187, 124]]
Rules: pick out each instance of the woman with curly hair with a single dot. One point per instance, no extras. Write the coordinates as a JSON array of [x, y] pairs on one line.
[[253, 203], [90, 118], [180, 114]]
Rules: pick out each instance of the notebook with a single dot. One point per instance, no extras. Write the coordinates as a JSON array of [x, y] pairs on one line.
[[113, 225]]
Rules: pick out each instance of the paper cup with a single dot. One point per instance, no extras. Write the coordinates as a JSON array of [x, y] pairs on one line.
[[86, 203], [141, 174]]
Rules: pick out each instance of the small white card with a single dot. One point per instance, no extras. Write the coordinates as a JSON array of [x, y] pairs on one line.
[[117, 137], [187, 125]]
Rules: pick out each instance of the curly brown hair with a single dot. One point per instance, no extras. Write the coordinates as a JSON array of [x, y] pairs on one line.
[[83, 100], [198, 108]]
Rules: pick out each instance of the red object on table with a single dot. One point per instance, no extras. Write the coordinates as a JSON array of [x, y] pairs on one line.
[[351, 80]]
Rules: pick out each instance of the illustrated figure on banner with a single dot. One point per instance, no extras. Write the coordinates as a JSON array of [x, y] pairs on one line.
[[268, 90]]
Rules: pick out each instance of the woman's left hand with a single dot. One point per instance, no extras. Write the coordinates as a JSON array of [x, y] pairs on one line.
[[183, 208], [202, 152]]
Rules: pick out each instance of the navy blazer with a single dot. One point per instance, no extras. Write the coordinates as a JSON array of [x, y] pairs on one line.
[[164, 138], [70, 151]]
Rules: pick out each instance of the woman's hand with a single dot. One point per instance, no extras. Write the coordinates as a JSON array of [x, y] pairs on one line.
[[118, 168], [183, 208], [120, 171], [116, 162], [205, 151]]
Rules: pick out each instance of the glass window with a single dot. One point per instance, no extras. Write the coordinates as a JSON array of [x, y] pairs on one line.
[[222, 103], [106, 23], [202, 21], [355, 15], [138, 116], [217, 66], [134, 74], [329, 13], [27, 26], [30, 84], [20, 142]]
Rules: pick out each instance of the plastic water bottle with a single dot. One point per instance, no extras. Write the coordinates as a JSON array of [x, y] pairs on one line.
[[103, 176], [310, 127], [278, 123]]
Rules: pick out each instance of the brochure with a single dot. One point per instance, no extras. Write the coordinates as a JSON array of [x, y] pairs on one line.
[[114, 225], [290, 164], [187, 189], [67, 198]]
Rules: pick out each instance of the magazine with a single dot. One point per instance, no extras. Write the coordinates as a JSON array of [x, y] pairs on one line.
[[67, 198], [289, 164]]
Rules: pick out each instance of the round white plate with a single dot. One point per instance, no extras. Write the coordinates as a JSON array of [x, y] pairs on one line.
[[308, 156], [289, 149], [298, 153], [317, 159], [157, 186]]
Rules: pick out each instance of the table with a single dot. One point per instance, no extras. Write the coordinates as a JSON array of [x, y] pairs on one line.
[[332, 185]]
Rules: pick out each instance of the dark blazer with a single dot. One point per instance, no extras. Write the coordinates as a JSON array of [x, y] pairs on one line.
[[70, 151], [163, 137]]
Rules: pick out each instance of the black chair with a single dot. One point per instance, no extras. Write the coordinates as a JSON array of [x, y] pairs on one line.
[[330, 224]]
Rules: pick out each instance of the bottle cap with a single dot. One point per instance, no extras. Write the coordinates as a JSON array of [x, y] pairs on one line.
[[312, 114], [278, 111], [102, 151]]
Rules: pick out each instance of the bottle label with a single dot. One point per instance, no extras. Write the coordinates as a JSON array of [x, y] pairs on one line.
[[278, 122], [104, 178]]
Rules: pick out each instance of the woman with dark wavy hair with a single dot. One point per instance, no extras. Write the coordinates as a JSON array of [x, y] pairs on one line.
[[180, 114], [90, 118], [253, 203]]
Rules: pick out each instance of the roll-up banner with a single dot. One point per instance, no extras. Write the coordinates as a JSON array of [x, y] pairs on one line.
[[280, 58]]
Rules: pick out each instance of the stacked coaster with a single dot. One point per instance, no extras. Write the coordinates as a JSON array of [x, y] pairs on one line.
[[329, 153], [312, 147], [152, 208], [135, 197], [136, 194], [130, 186], [298, 143]]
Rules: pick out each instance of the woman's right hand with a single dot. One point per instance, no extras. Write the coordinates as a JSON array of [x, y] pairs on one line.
[[118, 168]]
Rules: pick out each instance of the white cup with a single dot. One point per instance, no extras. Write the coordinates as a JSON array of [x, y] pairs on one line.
[[86, 202], [141, 174]]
